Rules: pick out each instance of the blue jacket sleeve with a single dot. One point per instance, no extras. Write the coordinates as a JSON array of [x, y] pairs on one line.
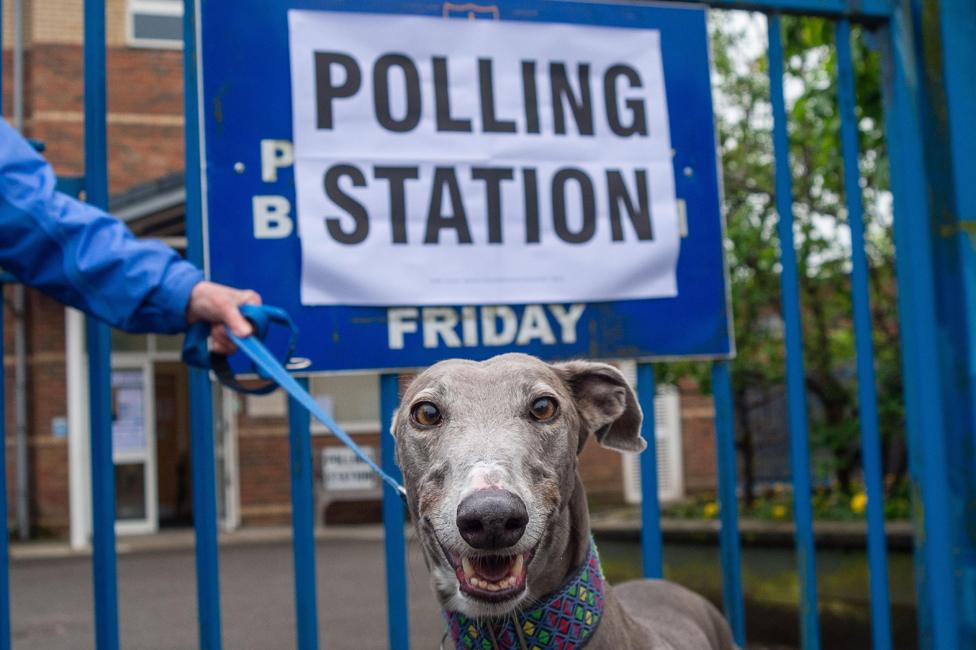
[[82, 256]]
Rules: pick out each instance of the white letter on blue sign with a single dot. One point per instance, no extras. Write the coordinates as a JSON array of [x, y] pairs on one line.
[[439, 323], [271, 217], [274, 155], [400, 321], [489, 320], [567, 319], [535, 325]]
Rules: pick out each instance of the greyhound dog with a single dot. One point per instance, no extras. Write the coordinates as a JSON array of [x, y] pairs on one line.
[[489, 452]]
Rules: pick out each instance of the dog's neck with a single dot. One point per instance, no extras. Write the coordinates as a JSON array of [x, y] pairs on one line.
[[566, 618], [569, 564], [568, 543]]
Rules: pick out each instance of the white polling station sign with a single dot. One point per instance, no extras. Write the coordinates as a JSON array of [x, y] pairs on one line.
[[479, 162]]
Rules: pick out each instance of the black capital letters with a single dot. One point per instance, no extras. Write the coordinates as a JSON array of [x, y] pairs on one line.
[[582, 106], [638, 121], [493, 177], [443, 101], [381, 93], [531, 189], [353, 207], [588, 205], [445, 178], [397, 177], [530, 97], [325, 88], [640, 216], [490, 123]]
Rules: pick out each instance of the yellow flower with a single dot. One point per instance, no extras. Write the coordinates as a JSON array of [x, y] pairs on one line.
[[859, 502], [711, 509], [779, 511]]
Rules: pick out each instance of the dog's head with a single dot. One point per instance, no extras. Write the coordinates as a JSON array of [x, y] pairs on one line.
[[489, 453]]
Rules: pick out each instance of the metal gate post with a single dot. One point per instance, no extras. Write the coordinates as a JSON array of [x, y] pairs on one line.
[[99, 345], [303, 522], [795, 376], [652, 551], [926, 57], [4, 533], [728, 502], [397, 607], [202, 461], [867, 396]]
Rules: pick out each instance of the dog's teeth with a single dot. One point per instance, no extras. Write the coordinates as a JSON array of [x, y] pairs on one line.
[[491, 586], [468, 569], [517, 566]]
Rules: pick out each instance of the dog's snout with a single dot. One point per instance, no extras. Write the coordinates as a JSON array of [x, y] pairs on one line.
[[492, 519]]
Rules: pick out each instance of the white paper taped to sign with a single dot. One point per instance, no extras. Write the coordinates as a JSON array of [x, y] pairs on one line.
[[480, 162]]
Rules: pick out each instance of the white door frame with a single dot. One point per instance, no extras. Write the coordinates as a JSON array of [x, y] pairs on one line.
[[147, 456], [229, 402]]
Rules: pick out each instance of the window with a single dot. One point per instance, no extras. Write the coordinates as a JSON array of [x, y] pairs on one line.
[[353, 400], [155, 23]]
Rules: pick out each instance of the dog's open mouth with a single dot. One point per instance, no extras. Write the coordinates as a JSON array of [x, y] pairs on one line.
[[494, 578]]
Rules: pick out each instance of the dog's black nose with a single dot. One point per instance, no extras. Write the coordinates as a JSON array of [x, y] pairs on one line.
[[491, 519]]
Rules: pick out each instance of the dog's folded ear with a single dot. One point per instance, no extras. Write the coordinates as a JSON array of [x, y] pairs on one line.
[[606, 403]]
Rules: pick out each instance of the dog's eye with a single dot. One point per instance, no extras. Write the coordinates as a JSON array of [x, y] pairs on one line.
[[426, 414], [544, 409]]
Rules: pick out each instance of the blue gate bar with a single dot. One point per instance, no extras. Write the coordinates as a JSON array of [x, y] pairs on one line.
[[867, 395], [202, 461], [728, 502], [4, 533], [99, 345], [652, 556], [872, 9], [98, 337], [938, 618], [795, 377], [393, 519], [303, 523]]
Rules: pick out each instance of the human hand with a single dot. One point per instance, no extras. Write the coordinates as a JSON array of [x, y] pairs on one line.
[[218, 304]]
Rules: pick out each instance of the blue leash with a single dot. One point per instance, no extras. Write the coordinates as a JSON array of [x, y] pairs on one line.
[[195, 353]]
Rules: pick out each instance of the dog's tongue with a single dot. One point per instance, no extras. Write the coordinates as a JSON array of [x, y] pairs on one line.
[[493, 568]]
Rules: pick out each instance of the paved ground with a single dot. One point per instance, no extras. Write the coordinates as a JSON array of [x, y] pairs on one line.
[[52, 607]]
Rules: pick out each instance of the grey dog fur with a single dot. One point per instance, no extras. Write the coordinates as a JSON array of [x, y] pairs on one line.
[[486, 423]]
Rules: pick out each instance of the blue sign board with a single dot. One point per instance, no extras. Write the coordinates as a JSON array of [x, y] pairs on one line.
[[247, 130]]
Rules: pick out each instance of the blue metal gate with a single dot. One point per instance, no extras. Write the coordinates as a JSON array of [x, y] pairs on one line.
[[929, 83]]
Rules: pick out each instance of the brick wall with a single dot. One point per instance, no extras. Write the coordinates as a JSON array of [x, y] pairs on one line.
[[602, 471], [145, 118], [698, 440], [46, 399], [264, 476], [60, 21], [602, 474]]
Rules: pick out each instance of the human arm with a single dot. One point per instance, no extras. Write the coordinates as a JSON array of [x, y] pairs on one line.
[[84, 257]]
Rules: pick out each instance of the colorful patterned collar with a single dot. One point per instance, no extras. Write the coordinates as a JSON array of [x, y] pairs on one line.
[[564, 621]]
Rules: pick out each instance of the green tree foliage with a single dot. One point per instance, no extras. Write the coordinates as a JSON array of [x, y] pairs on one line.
[[744, 122]]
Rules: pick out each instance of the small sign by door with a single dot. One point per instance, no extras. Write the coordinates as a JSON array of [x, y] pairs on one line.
[[342, 471]]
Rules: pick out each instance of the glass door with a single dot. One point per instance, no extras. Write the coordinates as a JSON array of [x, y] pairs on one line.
[[134, 447]]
